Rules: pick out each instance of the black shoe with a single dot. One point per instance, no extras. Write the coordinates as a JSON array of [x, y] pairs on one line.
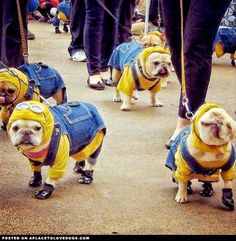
[[108, 82], [98, 86], [189, 188], [207, 190], [36, 180], [65, 29], [30, 36], [45, 193], [57, 30], [227, 198], [79, 166], [87, 177], [169, 144]]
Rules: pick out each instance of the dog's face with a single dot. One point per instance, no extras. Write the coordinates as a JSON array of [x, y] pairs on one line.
[[151, 40], [216, 127], [26, 134], [157, 65], [8, 93]]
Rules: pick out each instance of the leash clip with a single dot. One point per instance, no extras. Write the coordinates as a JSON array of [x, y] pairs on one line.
[[189, 114]]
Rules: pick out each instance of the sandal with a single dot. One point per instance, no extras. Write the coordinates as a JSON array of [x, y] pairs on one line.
[[98, 86]]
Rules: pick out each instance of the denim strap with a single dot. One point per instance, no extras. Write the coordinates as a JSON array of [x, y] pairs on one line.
[[197, 168], [54, 143]]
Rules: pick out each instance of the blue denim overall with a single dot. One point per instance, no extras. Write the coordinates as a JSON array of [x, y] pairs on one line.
[[79, 121], [46, 78], [180, 140], [124, 54]]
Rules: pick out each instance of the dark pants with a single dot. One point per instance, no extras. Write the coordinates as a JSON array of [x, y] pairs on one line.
[[126, 11], [201, 21], [77, 19], [100, 33], [10, 38]]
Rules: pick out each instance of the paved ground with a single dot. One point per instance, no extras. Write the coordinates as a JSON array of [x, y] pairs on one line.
[[132, 192]]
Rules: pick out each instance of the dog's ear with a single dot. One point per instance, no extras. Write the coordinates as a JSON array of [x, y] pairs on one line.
[[141, 35]]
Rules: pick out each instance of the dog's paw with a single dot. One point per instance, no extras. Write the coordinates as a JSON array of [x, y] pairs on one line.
[[135, 96], [157, 104], [79, 166], [86, 177], [45, 193], [181, 197], [36, 180], [227, 198], [116, 99], [125, 107]]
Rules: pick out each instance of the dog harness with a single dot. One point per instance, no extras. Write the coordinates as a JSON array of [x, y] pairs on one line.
[[197, 168], [136, 78]]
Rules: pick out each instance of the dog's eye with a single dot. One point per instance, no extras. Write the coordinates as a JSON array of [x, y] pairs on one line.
[[156, 63], [10, 91], [15, 128], [37, 128]]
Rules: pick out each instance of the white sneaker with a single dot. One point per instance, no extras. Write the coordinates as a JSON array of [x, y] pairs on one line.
[[79, 56]]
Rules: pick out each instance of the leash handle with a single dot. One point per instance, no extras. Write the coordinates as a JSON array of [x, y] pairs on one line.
[[22, 33], [189, 115]]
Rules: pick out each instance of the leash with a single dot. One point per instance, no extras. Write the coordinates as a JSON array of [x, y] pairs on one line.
[[114, 17], [159, 19], [189, 115], [22, 33], [25, 54]]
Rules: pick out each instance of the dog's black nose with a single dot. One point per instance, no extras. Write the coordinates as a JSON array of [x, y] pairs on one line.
[[27, 133]]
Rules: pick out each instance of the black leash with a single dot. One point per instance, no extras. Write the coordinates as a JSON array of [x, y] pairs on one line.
[[114, 17]]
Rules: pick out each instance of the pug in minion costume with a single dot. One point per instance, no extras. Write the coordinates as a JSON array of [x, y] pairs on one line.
[[26, 83], [134, 67], [50, 135], [204, 151]]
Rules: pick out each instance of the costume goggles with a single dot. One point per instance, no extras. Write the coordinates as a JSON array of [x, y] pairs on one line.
[[35, 108]]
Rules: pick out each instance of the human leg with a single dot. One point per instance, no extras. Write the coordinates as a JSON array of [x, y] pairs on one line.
[[77, 20], [11, 46], [94, 23]]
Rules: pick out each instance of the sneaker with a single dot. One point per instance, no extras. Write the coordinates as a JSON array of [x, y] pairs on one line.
[[79, 56]]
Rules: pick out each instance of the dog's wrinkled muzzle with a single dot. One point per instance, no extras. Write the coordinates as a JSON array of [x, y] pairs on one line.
[[161, 70]]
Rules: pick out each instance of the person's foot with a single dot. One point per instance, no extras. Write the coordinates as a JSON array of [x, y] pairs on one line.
[[95, 82], [65, 29], [79, 56], [30, 36], [57, 30], [181, 124]]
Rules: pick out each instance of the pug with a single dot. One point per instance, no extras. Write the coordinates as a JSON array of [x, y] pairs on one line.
[[134, 67], [48, 136], [153, 39], [27, 82], [204, 151]]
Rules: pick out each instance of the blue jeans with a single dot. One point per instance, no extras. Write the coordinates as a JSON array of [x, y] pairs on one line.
[[77, 19], [100, 33], [10, 39], [201, 21]]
